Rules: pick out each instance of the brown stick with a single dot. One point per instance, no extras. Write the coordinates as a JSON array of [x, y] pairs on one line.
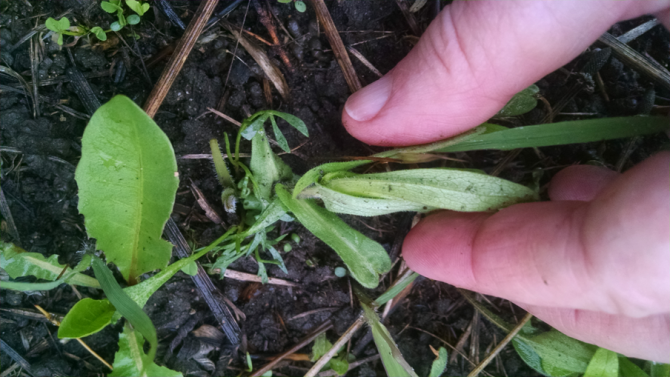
[[266, 20], [305, 341], [336, 44], [409, 17], [177, 60]]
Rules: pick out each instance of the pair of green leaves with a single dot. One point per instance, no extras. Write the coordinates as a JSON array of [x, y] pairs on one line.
[[58, 27], [299, 5], [115, 6]]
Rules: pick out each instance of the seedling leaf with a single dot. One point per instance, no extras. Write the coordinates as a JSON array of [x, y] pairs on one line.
[[222, 171], [301, 7], [129, 359], [364, 257], [338, 202], [109, 7], [17, 262], [659, 369], [133, 19], [89, 317], [137, 7], [115, 26], [57, 25], [315, 174], [454, 189], [521, 103], [279, 137], [440, 363], [190, 269], [320, 347], [266, 167], [604, 363], [99, 33], [270, 215], [393, 361], [578, 131], [127, 179]]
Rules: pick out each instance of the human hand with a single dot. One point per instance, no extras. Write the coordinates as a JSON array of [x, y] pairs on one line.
[[593, 262]]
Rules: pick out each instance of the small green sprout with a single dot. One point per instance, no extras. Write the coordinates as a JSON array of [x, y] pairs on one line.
[[287, 247], [59, 28], [115, 6], [295, 238], [299, 5]]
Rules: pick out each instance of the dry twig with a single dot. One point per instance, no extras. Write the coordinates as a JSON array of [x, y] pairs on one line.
[[336, 44]]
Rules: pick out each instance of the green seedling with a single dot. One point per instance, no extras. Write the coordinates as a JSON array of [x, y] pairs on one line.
[[62, 27], [339, 364], [440, 363], [299, 5], [116, 6]]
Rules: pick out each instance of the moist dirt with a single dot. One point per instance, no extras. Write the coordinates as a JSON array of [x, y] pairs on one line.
[[41, 146]]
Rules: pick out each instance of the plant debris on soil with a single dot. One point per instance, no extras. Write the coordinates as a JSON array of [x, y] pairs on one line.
[[42, 121]]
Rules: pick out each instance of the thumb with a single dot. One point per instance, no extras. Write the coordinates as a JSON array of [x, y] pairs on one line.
[[609, 254], [472, 59]]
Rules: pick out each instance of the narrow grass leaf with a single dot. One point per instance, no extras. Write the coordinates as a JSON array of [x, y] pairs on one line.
[[392, 359], [396, 289], [571, 132], [129, 360], [439, 364], [521, 103], [315, 174], [604, 363], [365, 258], [90, 316], [454, 189], [127, 179], [128, 309]]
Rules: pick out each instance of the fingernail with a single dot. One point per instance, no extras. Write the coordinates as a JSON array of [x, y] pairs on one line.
[[366, 103]]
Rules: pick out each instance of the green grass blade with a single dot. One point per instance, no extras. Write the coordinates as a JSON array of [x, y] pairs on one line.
[[127, 307], [628, 368], [578, 131], [365, 258], [127, 179], [399, 285]]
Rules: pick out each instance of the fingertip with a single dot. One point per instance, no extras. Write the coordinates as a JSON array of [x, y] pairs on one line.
[[580, 182], [440, 247]]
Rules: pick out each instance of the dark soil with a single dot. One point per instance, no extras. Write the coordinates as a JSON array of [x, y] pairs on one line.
[[40, 152]]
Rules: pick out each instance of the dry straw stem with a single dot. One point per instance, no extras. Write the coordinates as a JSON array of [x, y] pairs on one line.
[[336, 44], [336, 347], [305, 341], [177, 60], [500, 346], [645, 65], [271, 71]]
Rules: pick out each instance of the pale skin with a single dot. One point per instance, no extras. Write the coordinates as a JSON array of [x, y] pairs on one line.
[[594, 262]]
